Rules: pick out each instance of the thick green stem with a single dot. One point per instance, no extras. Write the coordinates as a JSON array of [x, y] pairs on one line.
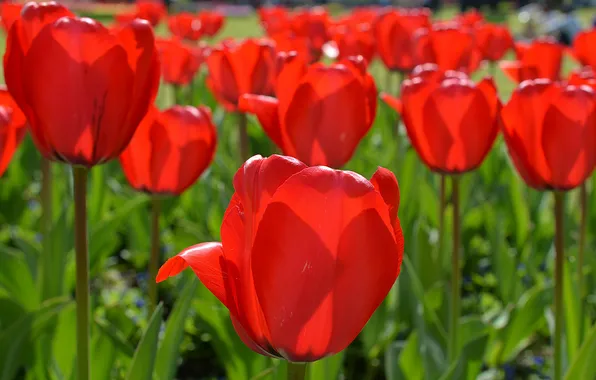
[[583, 195], [154, 256], [453, 344], [176, 90], [243, 138], [46, 218], [296, 371], [559, 262], [442, 205], [82, 271]]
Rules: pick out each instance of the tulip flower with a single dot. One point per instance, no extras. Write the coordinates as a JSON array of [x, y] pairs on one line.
[[274, 20], [168, 153], [84, 91], [286, 42], [186, 26], [12, 128], [550, 129], [179, 63], [583, 76], [541, 59], [470, 19], [452, 123], [9, 12], [450, 46], [151, 10], [321, 112], [211, 22], [297, 288], [583, 48], [493, 41], [351, 42], [313, 23]]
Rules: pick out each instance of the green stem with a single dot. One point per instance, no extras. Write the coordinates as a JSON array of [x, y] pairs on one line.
[[580, 257], [154, 256], [559, 262], [46, 217], [442, 205], [243, 138], [82, 270], [176, 90], [456, 276], [296, 371]]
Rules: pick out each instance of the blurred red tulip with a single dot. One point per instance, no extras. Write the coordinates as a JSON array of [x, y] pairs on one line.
[[451, 121], [394, 37], [274, 20], [351, 41], [179, 63], [313, 23], [124, 18], [493, 41], [583, 76], [470, 19], [237, 68], [550, 131], [584, 48], [170, 150], [211, 22], [12, 128], [83, 89], [321, 112], [10, 12], [186, 26], [450, 46], [295, 287], [151, 10], [286, 42], [540, 59]]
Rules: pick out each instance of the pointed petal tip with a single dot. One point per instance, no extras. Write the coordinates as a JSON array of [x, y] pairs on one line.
[[171, 268]]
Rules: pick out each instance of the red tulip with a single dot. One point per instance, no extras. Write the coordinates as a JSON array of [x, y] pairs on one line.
[[550, 131], [12, 128], [298, 288], [584, 76], [451, 121], [83, 89], [237, 68], [321, 112], [151, 10], [394, 37], [493, 41], [470, 19], [541, 59], [10, 12], [179, 64], [313, 23], [124, 18], [583, 48], [286, 42], [170, 150], [186, 26], [211, 22], [351, 42], [274, 20], [449, 46]]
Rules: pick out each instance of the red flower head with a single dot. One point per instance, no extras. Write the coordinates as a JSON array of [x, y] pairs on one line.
[[12, 128], [470, 19], [298, 288], [179, 63], [151, 10], [211, 22], [583, 48], [10, 12], [351, 41], [583, 76], [493, 41], [550, 131], [237, 68], [286, 42], [313, 23], [450, 46], [394, 37], [170, 150], [274, 20], [321, 112], [541, 59], [186, 26], [105, 82], [451, 121]]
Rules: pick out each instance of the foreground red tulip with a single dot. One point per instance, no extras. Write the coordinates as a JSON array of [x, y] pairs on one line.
[[10, 12], [351, 41], [394, 37], [493, 41], [550, 129], [297, 288], [541, 59], [451, 121], [583, 48], [83, 89], [179, 63], [321, 112], [170, 150], [12, 128], [186, 26], [211, 22], [450, 46], [237, 68]]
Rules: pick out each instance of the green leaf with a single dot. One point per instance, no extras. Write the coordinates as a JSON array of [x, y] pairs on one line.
[[584, 366], [169, 349], [571, 308], [469, 364], [392, 368], [16, 278], [143, 361], [410, 359]]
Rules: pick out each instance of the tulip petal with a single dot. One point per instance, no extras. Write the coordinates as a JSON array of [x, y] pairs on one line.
[[266, 109], [291, 69], [222, 79], [385, 183], [393, 102]]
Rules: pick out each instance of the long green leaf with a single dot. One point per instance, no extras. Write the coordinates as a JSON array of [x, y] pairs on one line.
[[584, 364], [143, 362]]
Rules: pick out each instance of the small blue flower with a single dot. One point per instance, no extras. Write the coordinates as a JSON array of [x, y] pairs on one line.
[[139, 302], [509, 371], [538, 361]]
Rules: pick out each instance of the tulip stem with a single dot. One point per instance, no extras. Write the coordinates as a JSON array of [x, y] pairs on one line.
[[453, 345], [559, 262], [46, 217], [82, 270], [493, 69], [243, 138], [296, 371], [580, 256], [154, 256], [442, 204]]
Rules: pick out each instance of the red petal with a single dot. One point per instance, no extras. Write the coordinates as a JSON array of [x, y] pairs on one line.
[[385, 183], [518, 72], [266, 109], [222, 77], [393, 102], [291, 69]]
